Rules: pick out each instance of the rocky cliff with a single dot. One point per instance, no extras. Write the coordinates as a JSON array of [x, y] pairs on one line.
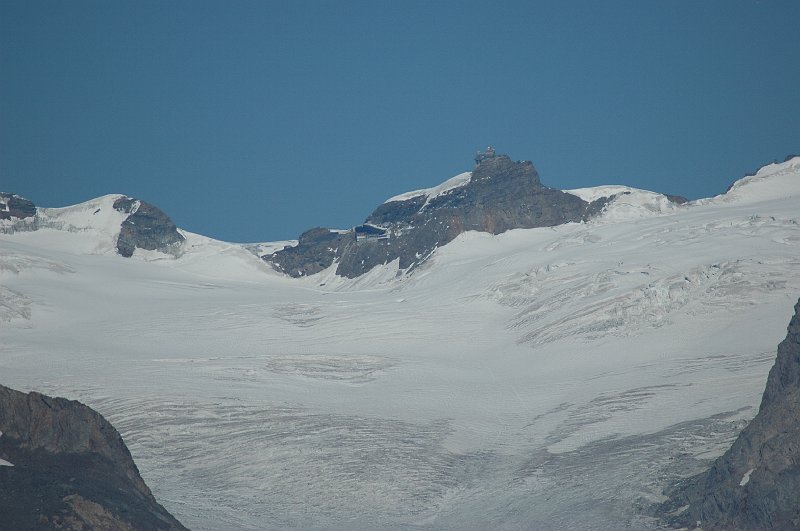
[[756, 483], [13, 206], [63, 466], [499, 195], [146, 227]]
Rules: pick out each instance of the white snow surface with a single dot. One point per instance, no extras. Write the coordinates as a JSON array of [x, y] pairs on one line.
[[627, 203], [597, 192], [769, 181], [554, 378], [462, 179], [746, 478], [92, 226]]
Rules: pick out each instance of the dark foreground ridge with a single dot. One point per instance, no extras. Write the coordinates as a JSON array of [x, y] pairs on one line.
[[501, 195], [756, 483], [71, 470]]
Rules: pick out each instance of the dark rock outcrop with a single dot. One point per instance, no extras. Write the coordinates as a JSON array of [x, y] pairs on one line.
[[71, 469], [315, 250], [756, 483], [677, 199], [147, 227], [501, 195], [14, 206]]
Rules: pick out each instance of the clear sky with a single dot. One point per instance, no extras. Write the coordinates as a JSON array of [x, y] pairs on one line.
[[256, 120]]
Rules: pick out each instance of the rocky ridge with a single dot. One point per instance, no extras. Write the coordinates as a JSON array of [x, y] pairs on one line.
[[499, 195], [13, 206], [65, 467], [756, 483], [137, 224]]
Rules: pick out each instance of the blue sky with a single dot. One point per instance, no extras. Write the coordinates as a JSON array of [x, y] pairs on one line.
[[256, 120]]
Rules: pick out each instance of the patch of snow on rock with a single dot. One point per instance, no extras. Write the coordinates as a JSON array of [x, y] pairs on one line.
[[458, 181], [746, 478]]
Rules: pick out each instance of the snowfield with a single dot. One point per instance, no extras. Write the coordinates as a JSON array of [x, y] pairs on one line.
[[552, 378], [462, 179]]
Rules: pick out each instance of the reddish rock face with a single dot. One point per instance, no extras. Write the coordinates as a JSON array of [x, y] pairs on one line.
[[71, 469]]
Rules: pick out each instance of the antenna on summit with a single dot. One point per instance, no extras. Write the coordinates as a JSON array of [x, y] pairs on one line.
[[488, 153]]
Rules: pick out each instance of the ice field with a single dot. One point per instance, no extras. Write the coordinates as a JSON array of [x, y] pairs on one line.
[[552, 378]]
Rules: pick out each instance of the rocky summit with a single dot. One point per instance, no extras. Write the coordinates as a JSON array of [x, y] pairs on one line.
[[498, 195], [13, 206], [756, 483], [146, 227], [63, 466]]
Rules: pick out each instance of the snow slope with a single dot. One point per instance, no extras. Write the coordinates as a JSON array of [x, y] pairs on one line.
[[551, 378], [627, 203], [96, 219], [462, 179]]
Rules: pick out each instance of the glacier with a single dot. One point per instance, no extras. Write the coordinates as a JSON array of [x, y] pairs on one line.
[[554, 378]]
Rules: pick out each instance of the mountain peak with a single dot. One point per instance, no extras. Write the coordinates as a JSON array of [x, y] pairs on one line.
[[498, 195], [502, 168], [775, 180], [113, 222]]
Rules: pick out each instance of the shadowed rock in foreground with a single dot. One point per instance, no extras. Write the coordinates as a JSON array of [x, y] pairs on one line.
[[63, 466], [755, 484]]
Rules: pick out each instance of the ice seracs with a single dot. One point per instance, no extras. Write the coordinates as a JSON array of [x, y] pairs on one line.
[[526, 372]]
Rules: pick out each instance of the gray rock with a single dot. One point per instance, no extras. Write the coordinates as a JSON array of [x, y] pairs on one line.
[[14, 206], [315, 250], [756, 483], [501, 195], [677, 199], [147, 227], [71, 469]]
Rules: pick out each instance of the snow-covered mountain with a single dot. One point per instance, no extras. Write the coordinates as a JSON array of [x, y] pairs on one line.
[[113, 223], [497, 196], [551, 377]]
